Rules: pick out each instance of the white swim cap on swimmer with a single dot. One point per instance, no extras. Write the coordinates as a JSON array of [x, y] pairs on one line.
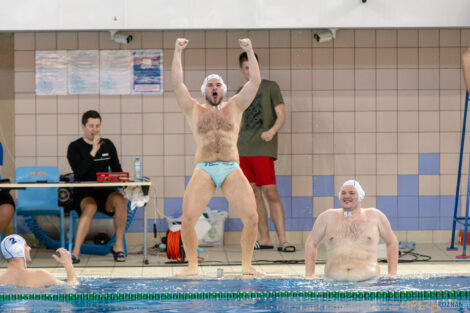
[[360, 192], [13, 246], [211, 76]]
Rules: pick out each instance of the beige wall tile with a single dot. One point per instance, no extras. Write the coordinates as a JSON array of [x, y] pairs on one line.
[[449, 121], [25, 103], [366, 164], [170, 36], [189, 144], [323, 143], [387, 143], [301, 58], [301, 80], [449, 37], [46, 104], [449, 57], [196, 38], [407, 37], [323, 58], [216, 59], [67, 40], [153, 166], [364, 37], [428, 37], [387, 58], [386, 79], [386, 185], [344, 164], [283, 165], [302, 143], [24, 61], [46, 146], [67, 124], [105, 42], [25, 82], [172, 165], [449, 163], [174, 186], [407, 57], [387, 100], [344, 143], [322, 79], [428, 100], [366, 142], [173, 144], [63, 144], [408, 79], [173, 123], [387, 164], [110, 104], [152, 40], [387, 121], [301, 101], [365, 79], [343, 58], [24, 41], [152, 144], [321, 204], [450, 142], [302, 186], [216, 39], [365, 100], [46, 124], [25, 124], [284, 143], [344, 38], [408, 142], [365, 121], [407, 100], [428, 79], [302, 165], [188, 165], [448, 184], [344, 121], [88, 102], [131, 104], [302, 122], [369, 202], [429, 143], [323, 101], [25, 146], [365, 58], [152, 103], [67, 104], [344, 101], [132, 123], [111, 124], [449, 78], [46, 41], [343, 79], [301, 38], [282, 77], [429, 185], [323, 164], [407, 164], [88, 40], [428, 57], [339, 181], [429, 121], [131, 145]]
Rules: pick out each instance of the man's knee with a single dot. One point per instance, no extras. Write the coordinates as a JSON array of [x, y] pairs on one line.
[[250, 219], [271, 193], [188, 220], [88, 206]]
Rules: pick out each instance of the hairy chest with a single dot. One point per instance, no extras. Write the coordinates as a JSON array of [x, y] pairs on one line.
[[352, 232], [209, 121]]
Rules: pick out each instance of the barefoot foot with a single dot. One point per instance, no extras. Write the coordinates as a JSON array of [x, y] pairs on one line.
[[250, 270], [188, 271]]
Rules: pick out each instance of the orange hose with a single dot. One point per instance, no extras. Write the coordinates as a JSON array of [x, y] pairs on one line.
[[173, 246]]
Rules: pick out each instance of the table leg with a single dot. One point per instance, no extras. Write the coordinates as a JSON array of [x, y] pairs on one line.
[[146, 261]]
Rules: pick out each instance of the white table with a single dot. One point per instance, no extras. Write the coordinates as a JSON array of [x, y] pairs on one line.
[[90, 184]]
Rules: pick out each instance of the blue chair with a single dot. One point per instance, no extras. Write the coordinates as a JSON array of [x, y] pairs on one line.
[[99, 249], [38, 201]]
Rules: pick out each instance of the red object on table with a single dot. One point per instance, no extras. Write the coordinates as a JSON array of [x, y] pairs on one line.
[[112, 177]]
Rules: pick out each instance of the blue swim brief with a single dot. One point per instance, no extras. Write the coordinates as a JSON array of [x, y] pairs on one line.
[[218, 170]]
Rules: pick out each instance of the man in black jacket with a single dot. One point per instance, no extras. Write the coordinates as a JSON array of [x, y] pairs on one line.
[[87, 156]]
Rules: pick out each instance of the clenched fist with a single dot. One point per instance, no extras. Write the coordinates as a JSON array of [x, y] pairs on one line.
[[181, 43], [245, 44]]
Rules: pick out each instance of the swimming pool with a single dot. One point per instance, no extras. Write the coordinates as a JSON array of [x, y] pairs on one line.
[[449, 294]]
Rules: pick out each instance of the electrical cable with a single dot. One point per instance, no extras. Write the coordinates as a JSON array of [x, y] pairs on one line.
[[174, 247]]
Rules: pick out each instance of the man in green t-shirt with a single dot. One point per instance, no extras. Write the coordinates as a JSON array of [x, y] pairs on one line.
[[257, 146]]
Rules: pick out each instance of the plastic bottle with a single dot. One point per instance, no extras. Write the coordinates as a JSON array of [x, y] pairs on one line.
[[137, 169]]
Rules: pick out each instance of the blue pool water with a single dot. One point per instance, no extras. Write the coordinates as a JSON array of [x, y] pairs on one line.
[[131, 285]]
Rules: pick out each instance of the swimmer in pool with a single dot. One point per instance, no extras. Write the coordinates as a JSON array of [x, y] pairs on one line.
[[351, 235], [215, 125], [17, 253]]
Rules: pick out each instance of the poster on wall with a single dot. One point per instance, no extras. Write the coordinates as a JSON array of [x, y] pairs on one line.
[[83, 72], [147, 72], [51, 72], [115, 72]]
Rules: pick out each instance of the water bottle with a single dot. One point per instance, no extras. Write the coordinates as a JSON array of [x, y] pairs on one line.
[[137, 169]]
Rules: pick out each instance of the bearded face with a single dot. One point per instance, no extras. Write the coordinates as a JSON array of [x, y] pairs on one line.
[[214, 92]]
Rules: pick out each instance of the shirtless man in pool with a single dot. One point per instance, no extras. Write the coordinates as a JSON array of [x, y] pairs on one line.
[[351, 237], [215, 125]]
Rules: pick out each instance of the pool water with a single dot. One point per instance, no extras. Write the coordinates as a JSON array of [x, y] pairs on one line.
[[256, 304]]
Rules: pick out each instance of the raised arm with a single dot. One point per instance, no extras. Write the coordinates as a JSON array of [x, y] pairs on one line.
[[66, 260], [183, 97], [246, 95], [466, 67], [312, 243], [391, 242]]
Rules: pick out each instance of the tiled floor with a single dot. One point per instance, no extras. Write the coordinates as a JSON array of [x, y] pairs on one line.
[[274, 263]]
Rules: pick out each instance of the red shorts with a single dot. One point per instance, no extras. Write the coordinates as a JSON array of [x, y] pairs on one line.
[[259, 170]]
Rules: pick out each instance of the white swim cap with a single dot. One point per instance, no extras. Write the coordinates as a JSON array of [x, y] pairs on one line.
[[211, 76], [13, 246], [360, 192]]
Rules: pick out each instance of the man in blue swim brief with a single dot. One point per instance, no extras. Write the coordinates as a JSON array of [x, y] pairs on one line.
[[215, 125]]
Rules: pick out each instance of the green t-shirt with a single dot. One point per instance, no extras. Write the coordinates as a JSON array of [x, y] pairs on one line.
[[259, 117]]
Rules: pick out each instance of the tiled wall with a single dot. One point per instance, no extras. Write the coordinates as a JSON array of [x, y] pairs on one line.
[[383, 106]]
